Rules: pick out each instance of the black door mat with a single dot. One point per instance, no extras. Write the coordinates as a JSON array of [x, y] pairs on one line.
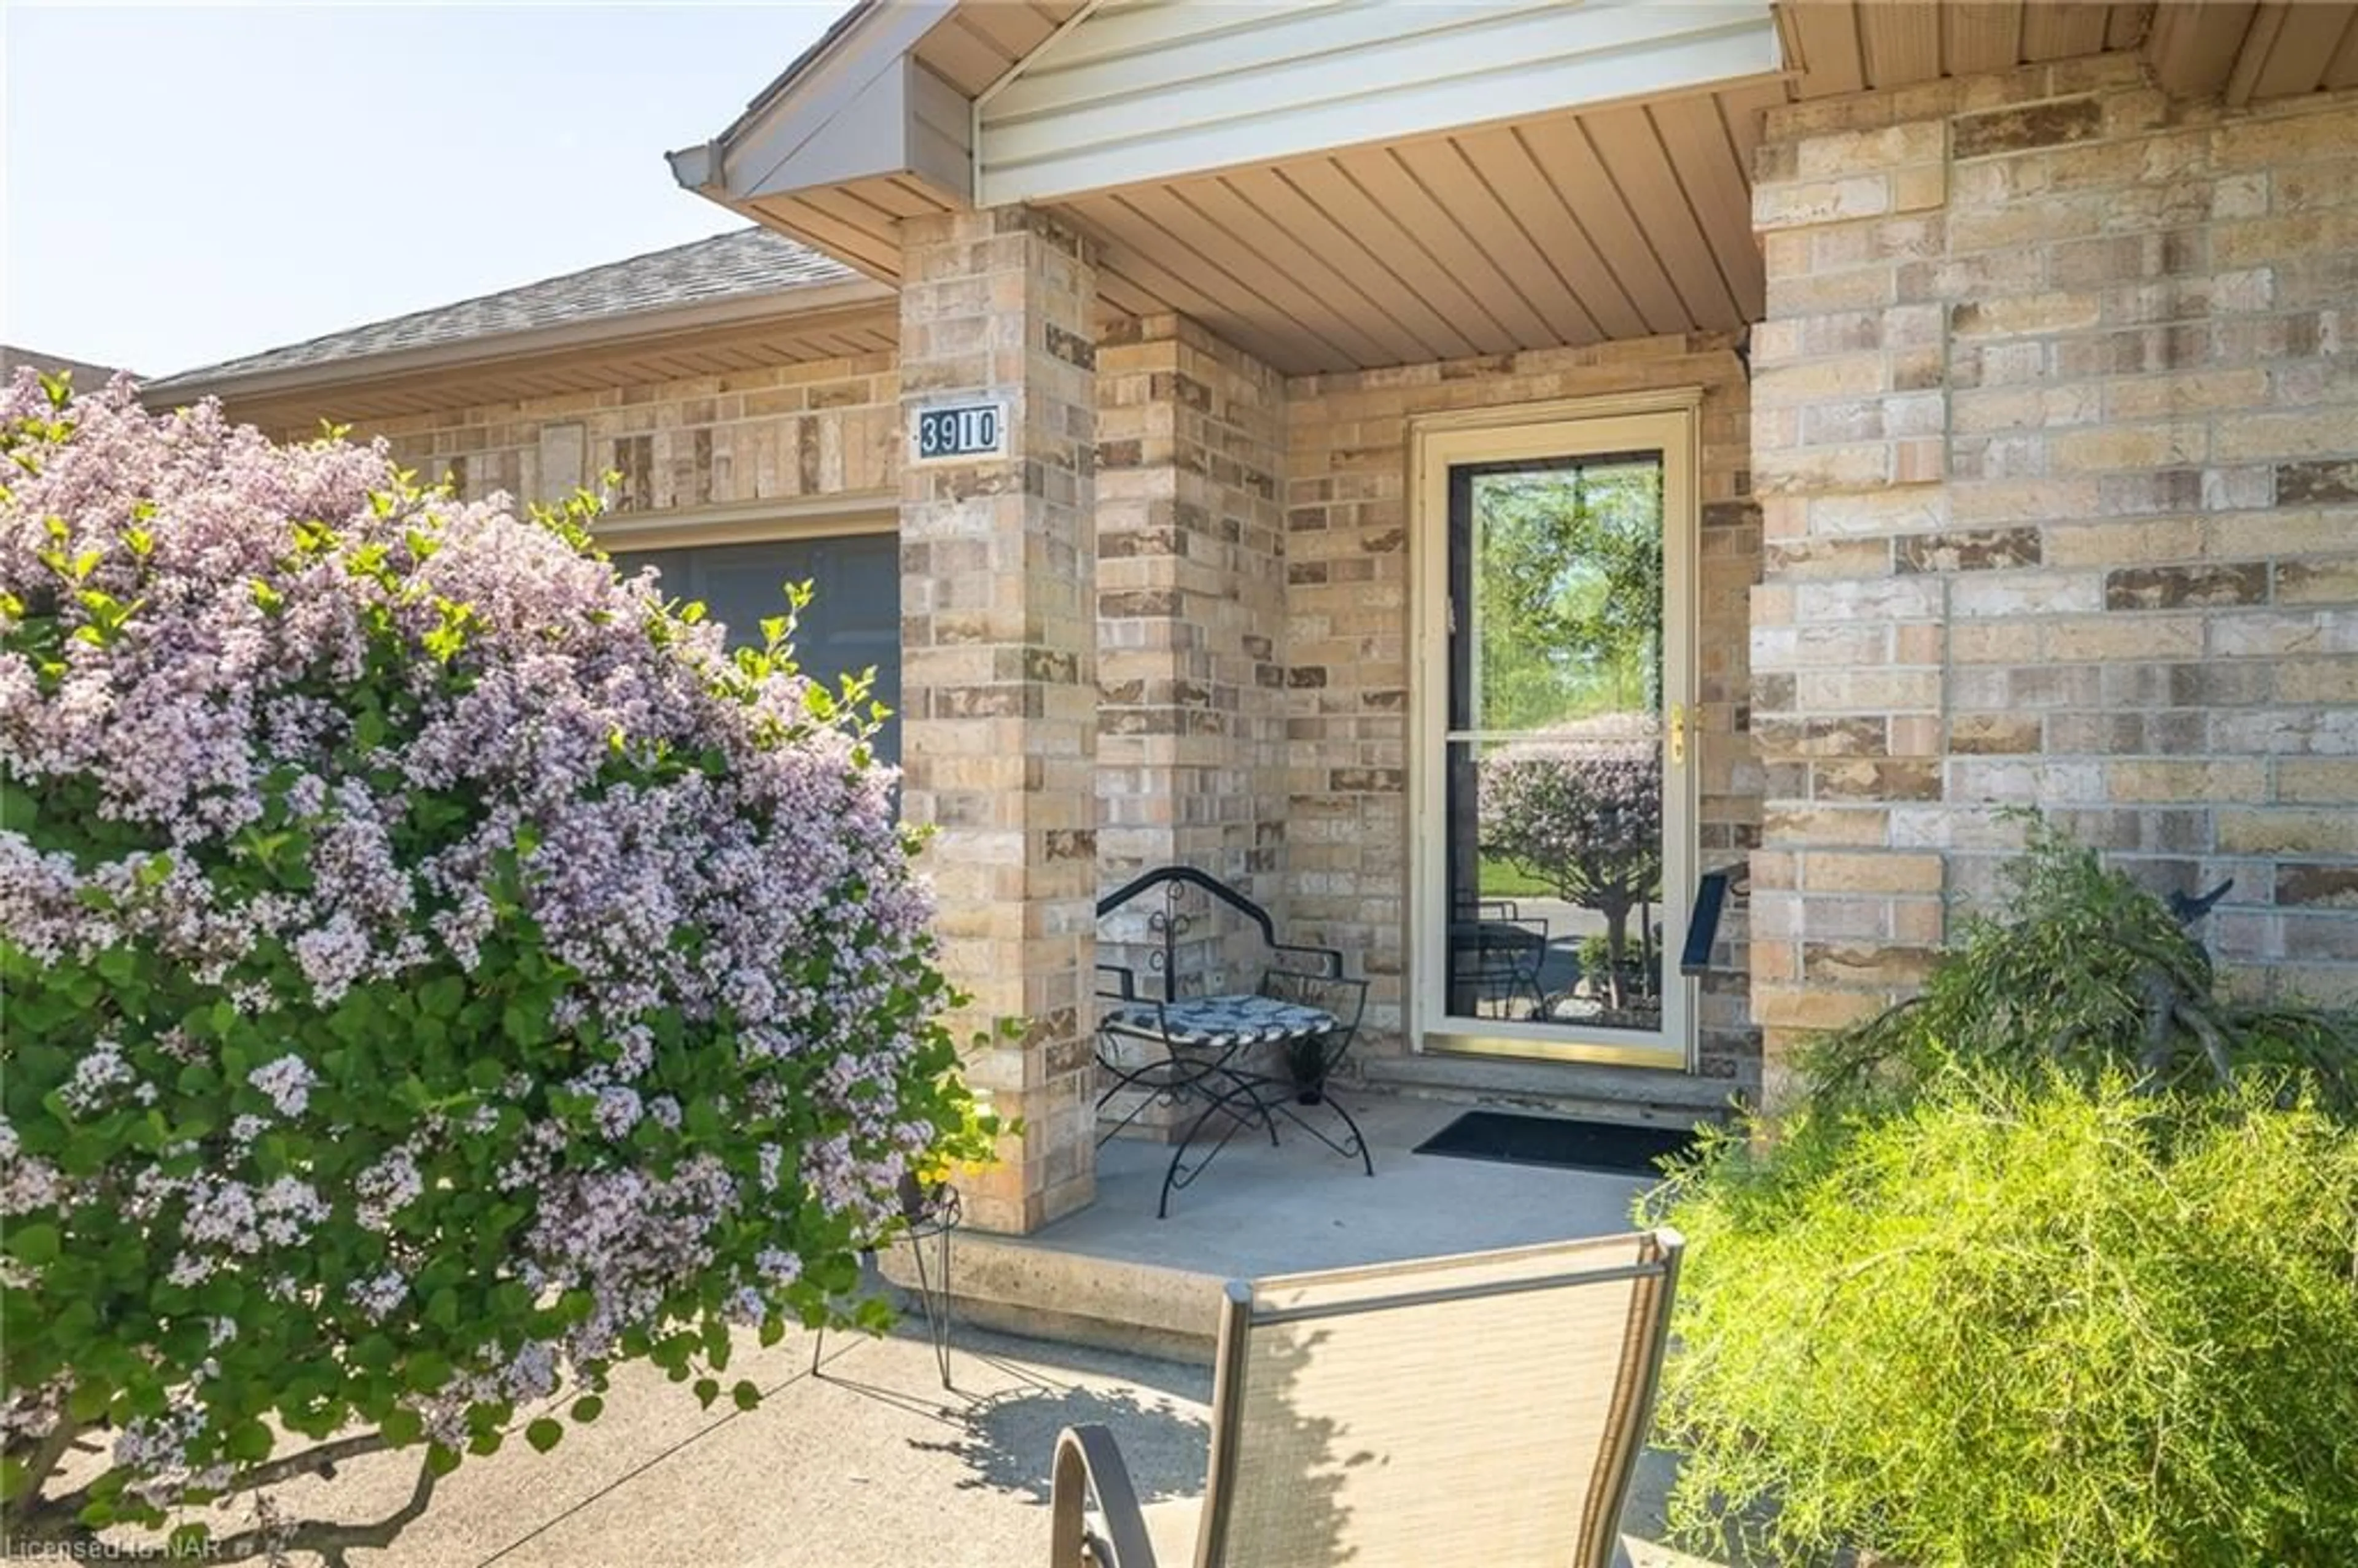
[[1515, 1140]]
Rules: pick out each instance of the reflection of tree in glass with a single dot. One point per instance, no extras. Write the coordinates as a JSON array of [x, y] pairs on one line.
[[1570, 592], [1581, 809]]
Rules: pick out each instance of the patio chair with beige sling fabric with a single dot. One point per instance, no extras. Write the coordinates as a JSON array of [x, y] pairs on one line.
[[1486, 1409]]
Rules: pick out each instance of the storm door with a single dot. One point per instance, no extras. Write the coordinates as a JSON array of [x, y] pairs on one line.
[[1556, 832]]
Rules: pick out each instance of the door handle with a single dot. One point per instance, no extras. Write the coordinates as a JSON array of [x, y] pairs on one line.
[[1678, 728]]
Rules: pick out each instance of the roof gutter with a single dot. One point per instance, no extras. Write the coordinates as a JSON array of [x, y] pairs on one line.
[[618, 333], [697, 169]]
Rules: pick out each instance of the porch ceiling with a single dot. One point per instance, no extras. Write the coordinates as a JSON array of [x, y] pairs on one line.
[[2240, 48], [1611, 222], [1847, 46], [1572, 229]]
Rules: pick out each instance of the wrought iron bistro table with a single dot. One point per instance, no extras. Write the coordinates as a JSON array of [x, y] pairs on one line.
[[1198, 1051]]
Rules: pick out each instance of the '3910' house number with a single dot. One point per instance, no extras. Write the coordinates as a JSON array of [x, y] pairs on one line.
[[960, 430]]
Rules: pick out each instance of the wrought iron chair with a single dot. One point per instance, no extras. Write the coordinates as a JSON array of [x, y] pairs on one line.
[[1200, 1052], [1484, 1408]]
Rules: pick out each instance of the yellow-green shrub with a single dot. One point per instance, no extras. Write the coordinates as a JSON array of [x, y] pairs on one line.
[[2056, 1264], [2026, 1323]]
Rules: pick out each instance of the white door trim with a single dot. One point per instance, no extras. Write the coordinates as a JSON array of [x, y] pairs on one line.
[[1664, 421]]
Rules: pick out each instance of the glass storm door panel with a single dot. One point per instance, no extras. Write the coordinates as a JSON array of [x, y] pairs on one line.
[[1556, 826]]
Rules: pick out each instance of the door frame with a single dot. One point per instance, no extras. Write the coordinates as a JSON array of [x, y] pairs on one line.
[[1669, 421]]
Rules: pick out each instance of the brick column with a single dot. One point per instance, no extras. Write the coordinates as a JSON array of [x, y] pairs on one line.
[[1191, 610], [999, 673], [1850, 420]]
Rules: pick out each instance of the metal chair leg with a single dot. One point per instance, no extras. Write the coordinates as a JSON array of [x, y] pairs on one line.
[[1358, 1139], [932, 1300]]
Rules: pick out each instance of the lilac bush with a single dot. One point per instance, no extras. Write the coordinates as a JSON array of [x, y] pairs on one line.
[[1583, 813], [438, 972]]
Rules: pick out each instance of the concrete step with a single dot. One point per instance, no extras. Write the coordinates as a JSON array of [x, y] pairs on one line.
[[1114, 1276], [1641, 1096], [1017, 1286]]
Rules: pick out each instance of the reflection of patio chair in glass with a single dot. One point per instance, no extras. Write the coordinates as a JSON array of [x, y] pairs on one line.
[[1495, 956], [1483, 1409], [1198, 1051]]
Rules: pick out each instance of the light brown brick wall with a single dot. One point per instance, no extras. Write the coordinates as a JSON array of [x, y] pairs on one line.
[[1348, 549], [1190, 611], [1191, 605], [2056, 436], [783, 433]]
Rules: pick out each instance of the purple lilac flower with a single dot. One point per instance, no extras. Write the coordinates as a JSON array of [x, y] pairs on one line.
[[287, 1083]]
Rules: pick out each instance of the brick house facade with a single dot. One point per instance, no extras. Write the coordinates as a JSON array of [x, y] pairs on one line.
[[2028, 476]]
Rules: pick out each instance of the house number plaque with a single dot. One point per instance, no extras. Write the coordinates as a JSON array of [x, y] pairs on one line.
[[960, 430]]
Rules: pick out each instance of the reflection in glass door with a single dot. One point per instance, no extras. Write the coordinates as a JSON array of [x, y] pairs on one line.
[[1556, 815]]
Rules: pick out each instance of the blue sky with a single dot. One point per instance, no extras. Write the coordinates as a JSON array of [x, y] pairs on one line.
[[188, 183]]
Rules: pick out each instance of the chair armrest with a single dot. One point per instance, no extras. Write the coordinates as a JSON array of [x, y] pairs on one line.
[[1272, 983], [1330, 962], [1089, 1463], [1359, 996], [1126, 982]]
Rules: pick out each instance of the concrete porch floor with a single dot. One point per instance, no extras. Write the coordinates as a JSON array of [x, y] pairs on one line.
[[1115, 1275]]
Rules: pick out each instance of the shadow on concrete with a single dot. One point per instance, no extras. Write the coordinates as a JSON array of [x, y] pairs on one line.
[[1009, 1442], [1293, 1491]]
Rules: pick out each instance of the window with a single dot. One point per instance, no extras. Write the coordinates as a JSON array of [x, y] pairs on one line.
[[853, 620]]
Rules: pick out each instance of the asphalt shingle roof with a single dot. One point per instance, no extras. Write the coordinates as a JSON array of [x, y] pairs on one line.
[[88, 375], [749, 261]]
